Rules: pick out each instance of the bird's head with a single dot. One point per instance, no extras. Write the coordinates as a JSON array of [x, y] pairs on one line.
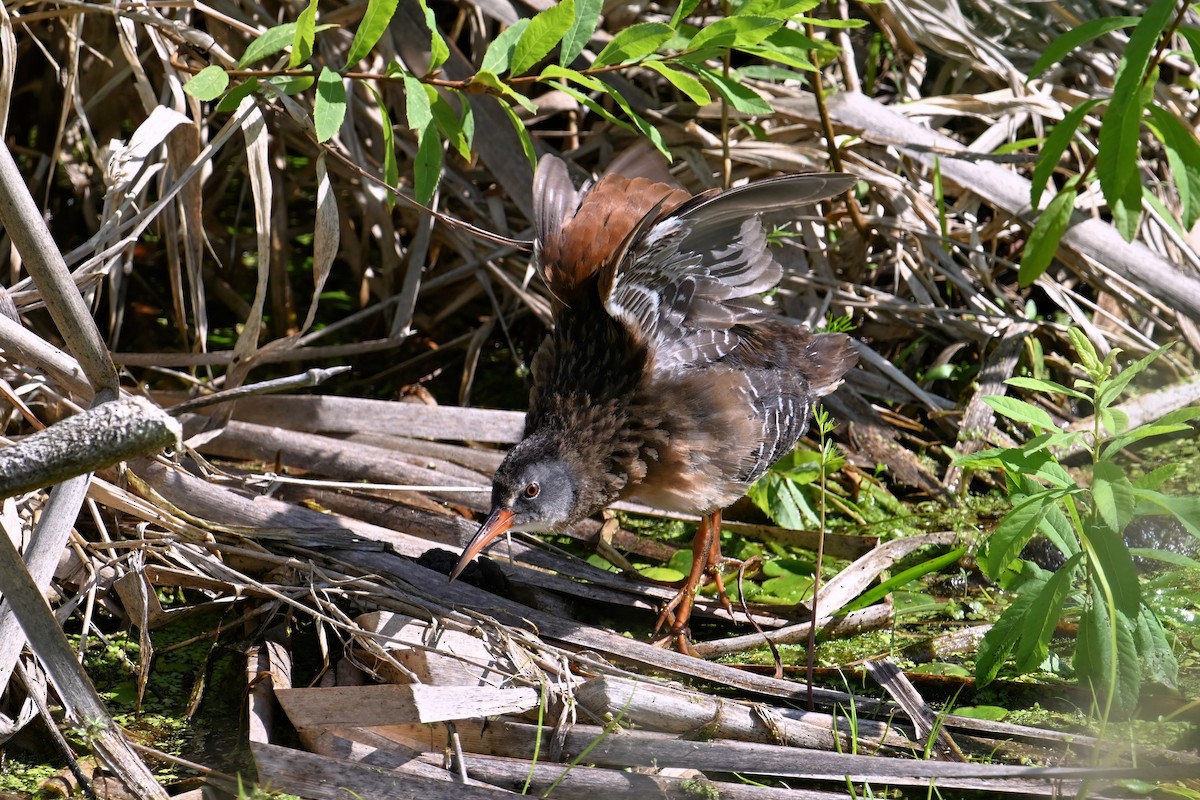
[[533, 490]]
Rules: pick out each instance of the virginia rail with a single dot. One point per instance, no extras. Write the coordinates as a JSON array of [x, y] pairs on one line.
[[666, 379]]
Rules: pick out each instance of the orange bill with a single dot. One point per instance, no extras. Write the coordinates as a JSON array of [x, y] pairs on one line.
[[497, 523]]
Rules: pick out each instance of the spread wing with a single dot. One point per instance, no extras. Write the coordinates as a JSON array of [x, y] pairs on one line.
[[686, 280]]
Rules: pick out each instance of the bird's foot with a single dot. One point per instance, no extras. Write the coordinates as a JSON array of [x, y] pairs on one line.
[[706, 563]]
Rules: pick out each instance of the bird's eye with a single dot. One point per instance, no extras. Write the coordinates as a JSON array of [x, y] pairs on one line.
[[533, 490]]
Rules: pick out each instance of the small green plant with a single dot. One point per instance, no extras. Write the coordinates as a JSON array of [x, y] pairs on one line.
[[1120, 637]]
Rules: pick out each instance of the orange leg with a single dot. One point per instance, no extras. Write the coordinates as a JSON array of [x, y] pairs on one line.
[[706, 561]]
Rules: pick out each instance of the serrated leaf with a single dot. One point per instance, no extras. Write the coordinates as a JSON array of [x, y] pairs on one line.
[[636, 41], [587, 17], [374, 22], [1044, 611], [208, 83], [1054, 146], [1056, 527], [683, 11], [1184, 509], [439, 51], [1084, 349], [329, 109], [738, 95], [779, 9], [234, 97], [293, 84], [1042, 244], [545, 30], [1015, 530], [595, 84], [499, 52], [450, 124], [1039, 385], [305, 36], [416, 104], [1113, 420], [523, 135], [682, 81], [1116, 385], [495, 86], [1155, 477], [1075, 37], [427, 169], [739, 31], [1174, 422], [1158, 659], [902, 579], [1020, 411], [1113, 495], [1183, 155], [391, 173], [1106, 657], [1117, 159], [1006, 631], [269, 43]]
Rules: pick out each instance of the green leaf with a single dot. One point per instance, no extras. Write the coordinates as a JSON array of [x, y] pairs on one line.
[[683, 11], [1110, 561], [1043, 240], [783, 502], [1158, 659], [597, 85], [1006, 631], [1044, 611], [439, 51], [1075, 37], [1115, 386], [1084, 349], [498, 87], [1155, 477], [682, 81], [1183, 155], [1106, 657], [545, 31], [877, 593], [452, 127], [391, 173], [1021, 411], [271, 42], [1174, 422], [587, 17], [737, 94], [293, 84], [305, 36], [1113, 420], [499, 52], [329, 110], [416, 104], [1117, 159], [636, 41], [1055, 145], [1056, 527], [1113, 494], [522, 134], [374, 22], [234, 97], [1184, 509], [427, 169], [779, 9], [208, 83], [739, 31], [1015, 530], [1049, 387]]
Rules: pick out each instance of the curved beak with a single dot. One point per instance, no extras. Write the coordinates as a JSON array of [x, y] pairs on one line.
[[499, 521]]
